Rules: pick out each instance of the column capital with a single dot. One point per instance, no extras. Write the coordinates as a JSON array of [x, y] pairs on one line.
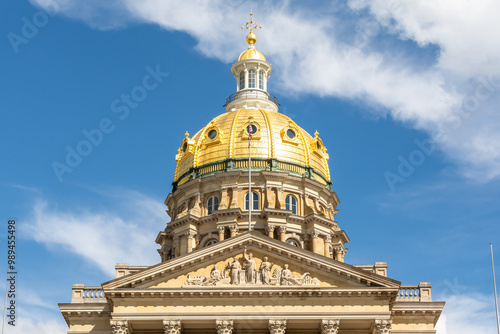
[[270, 228], [282, 229], [329, 326], [383, 326], [172, 326], [224, 326], [119, 326], [277, 326], [234, 228], [220, 229]]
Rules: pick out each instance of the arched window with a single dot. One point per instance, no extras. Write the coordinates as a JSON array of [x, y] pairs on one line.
[[291, 204], [251, 79], [292, 242], [242, 79], [211, 242], [212, 204], [261, 79], [255, 201]]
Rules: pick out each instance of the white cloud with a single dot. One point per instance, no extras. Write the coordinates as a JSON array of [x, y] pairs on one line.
[[104, 238], [468, 313], [314, 53]]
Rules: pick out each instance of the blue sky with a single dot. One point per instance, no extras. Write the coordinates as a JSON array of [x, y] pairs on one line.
[[404, 96]]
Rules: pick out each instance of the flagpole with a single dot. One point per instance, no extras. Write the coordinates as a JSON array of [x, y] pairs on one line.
[[250, 195], [495, 287]]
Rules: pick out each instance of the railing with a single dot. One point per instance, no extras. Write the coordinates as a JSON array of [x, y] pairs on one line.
[[415, 293], [87, 294], [250, 95]]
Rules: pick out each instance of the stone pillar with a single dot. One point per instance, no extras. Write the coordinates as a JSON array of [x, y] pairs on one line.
[[172, 326], [221, 229], [314, 242], [270, 197], [425, 291], [224, 326], [177, 244], [329, 326], [223, 199], [383, 326], [190, 238], [339, 253], [328, 240], [277, 326], [234, 230], [119, 326], [282, 230], [281, 198], [270, 230]]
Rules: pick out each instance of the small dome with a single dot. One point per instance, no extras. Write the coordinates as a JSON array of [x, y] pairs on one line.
[[251, 54], [223, 144]]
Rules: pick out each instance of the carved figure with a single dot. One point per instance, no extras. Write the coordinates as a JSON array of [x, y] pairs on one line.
[[235, 271], [287, 278], [265, 271], [250, 267], [215, 273]]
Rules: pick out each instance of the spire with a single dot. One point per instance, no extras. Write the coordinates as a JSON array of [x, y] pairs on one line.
[[251, 38]]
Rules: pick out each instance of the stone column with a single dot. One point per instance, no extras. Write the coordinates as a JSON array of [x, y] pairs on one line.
[[329, 326], [328, 240], [281, 198], [277, 326], [223, 199], [314, 242], [190, 237], [119, 326], [172, 326], [282, 230], [224, 326], [383, 326], [177, 244], [234, 230], [270, 230], [221, 229], [339, 253]]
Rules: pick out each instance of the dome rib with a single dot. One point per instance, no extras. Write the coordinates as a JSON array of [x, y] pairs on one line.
[[269, 133]]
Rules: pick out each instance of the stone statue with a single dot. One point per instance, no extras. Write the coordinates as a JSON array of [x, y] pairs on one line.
[[235, 271], [250, 267], [265, 271], [287, 278], [215, 273]]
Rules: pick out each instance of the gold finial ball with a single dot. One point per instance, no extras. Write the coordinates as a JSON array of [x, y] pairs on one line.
[[316, 133], [251, 38], [186, 135]]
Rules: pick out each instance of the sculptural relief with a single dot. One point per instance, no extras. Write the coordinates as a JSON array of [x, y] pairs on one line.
[[246, 274]]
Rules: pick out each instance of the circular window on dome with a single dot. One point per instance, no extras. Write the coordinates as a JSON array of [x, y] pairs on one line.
[[292, 242], [212, 134], [290, 133], [318, 145], [254, 129], [184, 147]]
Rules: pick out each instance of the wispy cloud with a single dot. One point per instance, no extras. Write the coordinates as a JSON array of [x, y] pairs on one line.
[[104, 238], [452, 96], [468, 313]]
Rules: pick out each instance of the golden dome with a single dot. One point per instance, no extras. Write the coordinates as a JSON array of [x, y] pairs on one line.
[[278, 143], [251, 54]]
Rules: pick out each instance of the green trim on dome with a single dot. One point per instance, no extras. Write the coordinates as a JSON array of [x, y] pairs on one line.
[[258, 164]]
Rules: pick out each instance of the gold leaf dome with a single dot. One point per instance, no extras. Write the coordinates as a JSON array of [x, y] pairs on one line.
[[251, 54], [278, 143]]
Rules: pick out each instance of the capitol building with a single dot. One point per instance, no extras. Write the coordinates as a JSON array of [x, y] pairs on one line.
[[252, 245]]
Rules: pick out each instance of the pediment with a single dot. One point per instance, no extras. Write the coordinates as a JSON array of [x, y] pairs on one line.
[[247, 261]]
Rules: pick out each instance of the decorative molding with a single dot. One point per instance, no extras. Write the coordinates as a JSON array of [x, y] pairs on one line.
[[172, 326], [224, 326], [329, 326], [277, 326], [383, 326], [119, 326]]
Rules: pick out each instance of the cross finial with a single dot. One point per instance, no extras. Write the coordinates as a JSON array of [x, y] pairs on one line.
[[251, 25]]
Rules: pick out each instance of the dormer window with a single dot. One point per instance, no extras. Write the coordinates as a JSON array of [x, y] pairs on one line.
[[242, 80], [251, 78]]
